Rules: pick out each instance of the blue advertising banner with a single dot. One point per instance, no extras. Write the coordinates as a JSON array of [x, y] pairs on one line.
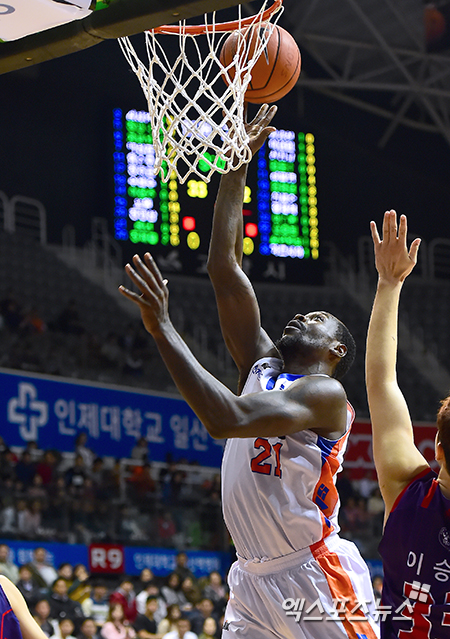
[[131, 559], [53, 412]]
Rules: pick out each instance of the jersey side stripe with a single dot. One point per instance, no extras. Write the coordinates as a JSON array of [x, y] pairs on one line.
[[342, 591]]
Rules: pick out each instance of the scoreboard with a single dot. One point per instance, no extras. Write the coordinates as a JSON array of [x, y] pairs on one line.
[[173, 220]]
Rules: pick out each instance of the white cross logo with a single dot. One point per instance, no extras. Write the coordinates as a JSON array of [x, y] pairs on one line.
[[27, 411]]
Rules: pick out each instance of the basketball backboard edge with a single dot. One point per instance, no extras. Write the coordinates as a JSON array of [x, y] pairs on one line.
[[121, 18]]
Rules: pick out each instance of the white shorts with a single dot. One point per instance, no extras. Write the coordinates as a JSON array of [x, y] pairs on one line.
[[320, 592]]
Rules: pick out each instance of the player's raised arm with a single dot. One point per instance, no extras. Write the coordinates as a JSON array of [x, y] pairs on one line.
[[397, 460], [311, 402], [236, 300]]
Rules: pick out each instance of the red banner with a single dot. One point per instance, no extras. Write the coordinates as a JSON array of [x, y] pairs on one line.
[[106, 558], [359, 458]]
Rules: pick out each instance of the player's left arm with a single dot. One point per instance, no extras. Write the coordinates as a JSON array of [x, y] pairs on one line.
[[29, 627], [312, 402]]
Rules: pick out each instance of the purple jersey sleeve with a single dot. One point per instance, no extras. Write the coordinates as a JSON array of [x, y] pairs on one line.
[[416, 559], [9, 624]]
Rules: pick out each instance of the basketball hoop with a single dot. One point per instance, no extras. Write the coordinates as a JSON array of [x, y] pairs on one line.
[[196, 106]]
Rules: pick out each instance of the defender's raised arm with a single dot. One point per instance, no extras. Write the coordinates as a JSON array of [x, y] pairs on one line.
[[397, 460]]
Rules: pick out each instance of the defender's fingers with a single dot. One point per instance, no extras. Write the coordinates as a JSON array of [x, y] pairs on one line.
[[375, 235], [414, 249], [386, 223], [403, 229], [392, 225]]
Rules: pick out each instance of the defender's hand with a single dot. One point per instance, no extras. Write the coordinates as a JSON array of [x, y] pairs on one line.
[[393, 261]]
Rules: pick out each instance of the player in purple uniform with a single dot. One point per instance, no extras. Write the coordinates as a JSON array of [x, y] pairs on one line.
[[16, 619], [416, 541]]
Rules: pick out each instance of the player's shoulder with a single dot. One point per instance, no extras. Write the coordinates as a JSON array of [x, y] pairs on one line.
[[322, 386]]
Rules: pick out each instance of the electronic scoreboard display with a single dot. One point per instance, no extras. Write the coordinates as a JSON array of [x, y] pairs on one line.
[[173, 220]]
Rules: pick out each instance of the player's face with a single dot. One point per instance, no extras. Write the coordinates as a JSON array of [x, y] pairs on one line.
[[316, 330]]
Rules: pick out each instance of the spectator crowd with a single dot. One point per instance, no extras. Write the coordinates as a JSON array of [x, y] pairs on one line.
[[69, 603], [81, 498]]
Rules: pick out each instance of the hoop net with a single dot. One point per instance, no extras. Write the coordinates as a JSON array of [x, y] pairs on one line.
[[195, 103]]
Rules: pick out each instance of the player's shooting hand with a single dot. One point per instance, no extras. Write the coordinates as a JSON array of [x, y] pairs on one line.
[[393, 260], [154, 298], [258, 129]]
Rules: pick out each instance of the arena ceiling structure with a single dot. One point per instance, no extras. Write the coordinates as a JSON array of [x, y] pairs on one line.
[[387, 57]]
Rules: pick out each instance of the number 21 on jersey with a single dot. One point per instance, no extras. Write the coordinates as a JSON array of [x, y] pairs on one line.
[[259, 464]]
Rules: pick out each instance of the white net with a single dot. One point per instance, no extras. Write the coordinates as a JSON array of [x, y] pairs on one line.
[[196, 103]]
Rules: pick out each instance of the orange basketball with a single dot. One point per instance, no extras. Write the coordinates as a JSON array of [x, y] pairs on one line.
[[277, 69]]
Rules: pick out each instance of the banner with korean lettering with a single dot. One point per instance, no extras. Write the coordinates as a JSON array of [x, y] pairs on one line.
[[359, 457], [117, 559], [53, 412]]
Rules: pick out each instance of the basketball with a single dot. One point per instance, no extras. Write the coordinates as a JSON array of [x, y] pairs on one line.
[[276, 70]]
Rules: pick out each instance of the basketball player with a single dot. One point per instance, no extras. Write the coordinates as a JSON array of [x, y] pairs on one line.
[[285, 446], [416, 541], [16, 619]]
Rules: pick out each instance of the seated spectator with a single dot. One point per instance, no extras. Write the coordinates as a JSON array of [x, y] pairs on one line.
[[366, 484], [28, 586], [126, 597], [8, 516], [191, 591], [88, 629], [375, 508], [8, 567], [25, 468], [11, 312], [217, 591], [97, 605], [69, 320], [146, 578], [209, 630], [117, 625], [181, 567], [170, 621], [65, 571], [377, 585], [172, 591], [43, 572], [36, 489], [182, 631], [42, 617], [81, 449], [140, 450], [146, 625], [29, 519], [80, 589], [61, 606], [32, 322], [66, 629], [46, 467], [141, 483], [166, 529], [202, 611], [75, 476]]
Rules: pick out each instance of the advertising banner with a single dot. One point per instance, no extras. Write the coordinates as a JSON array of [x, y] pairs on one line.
[[53, 412]]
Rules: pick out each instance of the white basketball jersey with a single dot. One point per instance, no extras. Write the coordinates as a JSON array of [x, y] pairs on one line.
[[279, 493]]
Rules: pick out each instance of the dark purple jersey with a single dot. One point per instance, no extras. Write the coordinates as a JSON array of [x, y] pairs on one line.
[[415, 549], [9, 625]]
